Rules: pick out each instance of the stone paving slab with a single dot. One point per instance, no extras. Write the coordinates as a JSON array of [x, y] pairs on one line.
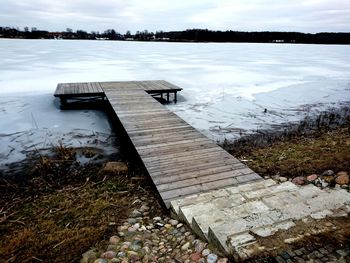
[[230, 218]]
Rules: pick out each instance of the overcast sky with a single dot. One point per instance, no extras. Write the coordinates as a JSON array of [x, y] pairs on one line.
[[248, 15]]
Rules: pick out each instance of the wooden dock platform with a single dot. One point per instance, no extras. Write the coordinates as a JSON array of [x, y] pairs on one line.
[[179, 159]]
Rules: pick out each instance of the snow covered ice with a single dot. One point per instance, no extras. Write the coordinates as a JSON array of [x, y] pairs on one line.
[[226, 86]]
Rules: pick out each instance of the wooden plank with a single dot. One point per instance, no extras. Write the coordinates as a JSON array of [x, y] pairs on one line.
[[198, 162], [158, 117], [194, 167], [167, 144], [139, 111], [129, 100], [201, 180], [180, 146], [150, 115], [138, 128], [161, 125], [133, 114], [199, 188], [175, 149], [165, 157], [170, 134], [180, 160], [156, 172], [166, 139], [190, 157], [98, 87], [219, 185], [212, 171], [159, 130]]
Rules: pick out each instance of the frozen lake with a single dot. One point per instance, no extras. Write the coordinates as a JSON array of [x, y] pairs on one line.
[[227, 86]]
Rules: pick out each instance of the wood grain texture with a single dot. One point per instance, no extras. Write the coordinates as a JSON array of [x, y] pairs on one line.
[[179, 159]]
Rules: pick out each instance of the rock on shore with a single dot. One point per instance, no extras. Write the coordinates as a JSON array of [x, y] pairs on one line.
[[142, 238]]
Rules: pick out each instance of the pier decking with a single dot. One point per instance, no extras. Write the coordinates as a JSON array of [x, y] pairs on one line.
[[180, 160], [222, 200]]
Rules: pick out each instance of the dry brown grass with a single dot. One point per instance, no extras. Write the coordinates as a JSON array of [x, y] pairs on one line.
[[61, 209], [62, 225], [301, 155]]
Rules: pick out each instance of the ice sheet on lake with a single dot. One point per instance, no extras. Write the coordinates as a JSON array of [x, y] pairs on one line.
[[226, 86], [33, 122]]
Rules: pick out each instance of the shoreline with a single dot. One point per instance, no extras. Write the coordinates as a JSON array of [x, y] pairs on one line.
[[311, 124], [100, 213], [109, 144]]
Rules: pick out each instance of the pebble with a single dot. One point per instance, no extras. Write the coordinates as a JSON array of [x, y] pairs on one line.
[[144, 239], [132, 229], [206, 252], [291, 240], [324, 184], [173, 222], [135, 247], [126, 243], [146, 250], [185, 246], [136, 213], [311, 178], [157, 219], [327, 173], [283, 179], [108, 255], [200, 246], [159, 225], [212, 258], [328, 179], [142, 228], [195, 256], [132, 220], [136, 226], [328, 224], [122, 228], [114, 240], [89, 256], [342, 178], [167, 226], [131, 253], [144, 208], [299, 180], [179, 225]]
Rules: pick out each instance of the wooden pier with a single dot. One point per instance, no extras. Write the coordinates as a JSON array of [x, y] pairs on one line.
[[179, 159]]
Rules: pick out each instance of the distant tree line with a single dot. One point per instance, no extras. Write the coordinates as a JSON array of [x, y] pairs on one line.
[[204, 35], [34, 33], [190, 35]]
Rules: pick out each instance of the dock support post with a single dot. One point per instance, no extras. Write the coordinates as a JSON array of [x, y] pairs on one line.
[[167, 96], [175, 96], [63, 101]]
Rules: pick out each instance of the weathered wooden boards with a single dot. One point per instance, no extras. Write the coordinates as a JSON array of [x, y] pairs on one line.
[[67, 91], [76, 89], [180, 160]]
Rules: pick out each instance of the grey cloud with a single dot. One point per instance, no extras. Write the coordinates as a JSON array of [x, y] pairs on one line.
[[292, 15]]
